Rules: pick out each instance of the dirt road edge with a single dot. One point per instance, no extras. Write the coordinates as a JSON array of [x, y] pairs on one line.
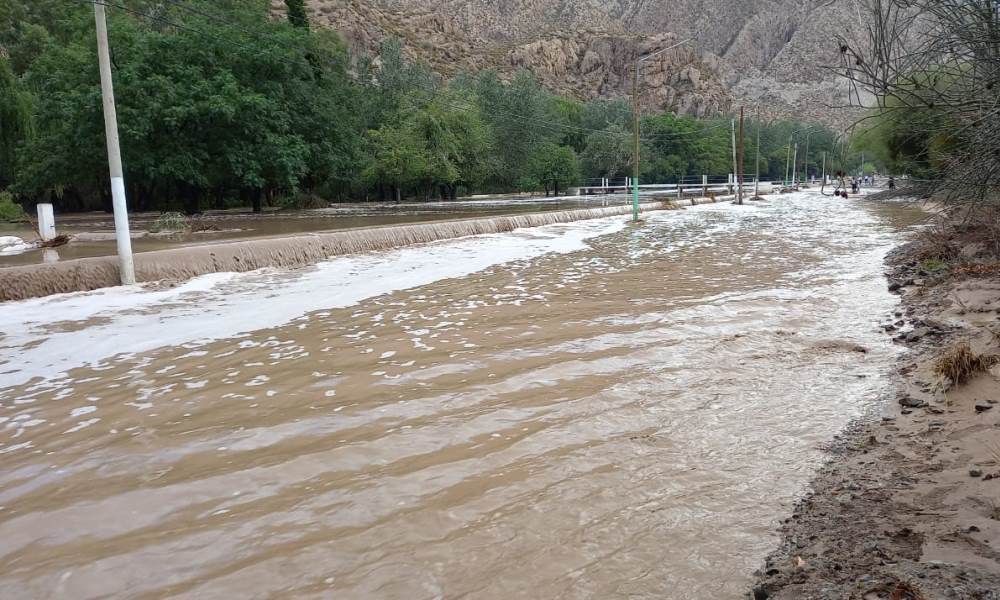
[[908, 506]]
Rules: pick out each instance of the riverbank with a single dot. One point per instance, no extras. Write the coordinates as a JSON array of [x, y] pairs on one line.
[[908, 507]]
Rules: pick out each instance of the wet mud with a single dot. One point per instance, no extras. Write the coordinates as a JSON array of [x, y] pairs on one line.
[[629, 416], [907, 507]]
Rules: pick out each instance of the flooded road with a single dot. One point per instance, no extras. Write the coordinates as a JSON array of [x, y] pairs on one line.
[[584, 410]]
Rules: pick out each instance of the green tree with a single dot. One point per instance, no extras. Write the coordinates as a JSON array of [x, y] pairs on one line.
[[608, 153], [522, 116], [554, 166], [397, 158], [15, 121], [458, 141], [297, 13], [199, 111]]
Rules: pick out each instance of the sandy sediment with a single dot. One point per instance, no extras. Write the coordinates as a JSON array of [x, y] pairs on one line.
[[909, 505], [179, 264]]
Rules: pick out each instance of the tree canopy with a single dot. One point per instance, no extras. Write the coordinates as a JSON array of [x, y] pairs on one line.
[[220, 104]]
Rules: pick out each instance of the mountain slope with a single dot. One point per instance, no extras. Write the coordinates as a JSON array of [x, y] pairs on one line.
[[771, 53]]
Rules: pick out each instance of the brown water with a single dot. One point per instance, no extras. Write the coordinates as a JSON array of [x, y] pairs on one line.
[[183, 263], [628, 419], [96, 230]]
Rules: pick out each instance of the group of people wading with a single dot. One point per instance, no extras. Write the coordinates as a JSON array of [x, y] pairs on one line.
[[857, 183]]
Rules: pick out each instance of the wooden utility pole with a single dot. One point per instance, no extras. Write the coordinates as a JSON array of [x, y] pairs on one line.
[[736, 165], [739, 148], [756, 177], [125, 267]]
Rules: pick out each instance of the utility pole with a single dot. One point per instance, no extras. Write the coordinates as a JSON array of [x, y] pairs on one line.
[[795, 166], [125, 267], [788, 158], [823, 182], [756, 177], [635, 134], [635, 125], [736, 167], [739, 193], [808, 135]]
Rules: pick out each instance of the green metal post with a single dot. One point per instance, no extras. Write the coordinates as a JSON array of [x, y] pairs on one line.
[[635, 133]]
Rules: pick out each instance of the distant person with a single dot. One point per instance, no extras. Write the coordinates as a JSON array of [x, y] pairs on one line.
[[892, 183]]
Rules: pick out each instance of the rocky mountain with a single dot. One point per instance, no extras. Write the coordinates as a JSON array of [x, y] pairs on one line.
[[774, 55]]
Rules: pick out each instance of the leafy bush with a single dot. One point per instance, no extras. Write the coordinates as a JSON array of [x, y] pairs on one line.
[[169, 221], [933, 265], [10, 210]]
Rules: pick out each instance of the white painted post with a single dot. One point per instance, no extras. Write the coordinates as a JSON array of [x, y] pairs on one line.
[[704, 185], [730, 184], [46, 222], [122, 236]]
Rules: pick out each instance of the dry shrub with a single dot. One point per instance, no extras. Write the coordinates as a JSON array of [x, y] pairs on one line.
[[905, 591], [938, 243], [201, 225], [960, 364], [979, 269]]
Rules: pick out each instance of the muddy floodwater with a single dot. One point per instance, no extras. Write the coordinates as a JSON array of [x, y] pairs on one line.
[[583, 410], [94, 232]]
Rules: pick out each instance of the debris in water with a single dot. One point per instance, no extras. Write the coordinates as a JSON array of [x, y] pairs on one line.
[[59, 240]]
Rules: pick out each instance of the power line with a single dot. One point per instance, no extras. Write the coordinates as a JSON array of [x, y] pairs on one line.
[[180, 4], [553, 126], [184, 27]]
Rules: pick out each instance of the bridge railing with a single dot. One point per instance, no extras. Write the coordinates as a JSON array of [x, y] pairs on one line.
[[687, 187]]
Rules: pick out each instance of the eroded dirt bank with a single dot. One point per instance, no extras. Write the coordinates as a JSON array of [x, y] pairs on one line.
[[909, 505]]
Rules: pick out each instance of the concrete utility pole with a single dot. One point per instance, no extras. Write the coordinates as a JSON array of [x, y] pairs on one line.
[[635, 126], [795, 166], [739, 193], [808, 135], [635, 134], [788, 158], [124, 239]]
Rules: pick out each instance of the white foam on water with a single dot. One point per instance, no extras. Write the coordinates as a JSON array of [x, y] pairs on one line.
[[11, 245], [94, 326]]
